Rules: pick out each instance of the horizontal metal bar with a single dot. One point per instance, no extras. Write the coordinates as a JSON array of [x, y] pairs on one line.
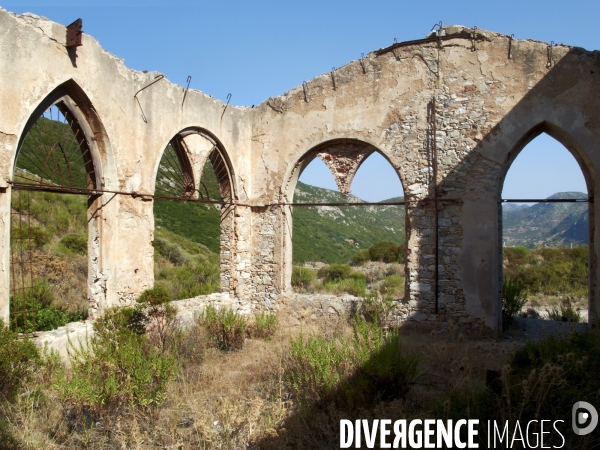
[[546, 200], [348, 204]]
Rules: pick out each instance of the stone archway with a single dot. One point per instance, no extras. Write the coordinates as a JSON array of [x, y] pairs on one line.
[[343, 157], [62, 153]]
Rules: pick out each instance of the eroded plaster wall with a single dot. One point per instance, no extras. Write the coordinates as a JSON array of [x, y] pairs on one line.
[[462, 98], [35, 62], [477, 107]]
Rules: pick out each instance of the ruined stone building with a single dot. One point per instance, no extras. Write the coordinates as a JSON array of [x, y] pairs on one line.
[[450, 113]]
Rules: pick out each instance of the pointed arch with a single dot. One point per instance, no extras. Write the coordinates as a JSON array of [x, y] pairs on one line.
[[177, 170], [195, 183], [570, 143], [64, 149], [174, 175], [358, 152], [343, 157], [76, 112], [561, 136]]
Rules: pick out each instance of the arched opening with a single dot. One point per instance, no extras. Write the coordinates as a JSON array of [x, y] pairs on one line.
[[54, 235], [193, 217], [545, 233], [348, 233]]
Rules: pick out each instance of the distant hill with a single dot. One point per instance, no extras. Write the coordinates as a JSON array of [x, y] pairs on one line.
[[547, 224], [333, 234]]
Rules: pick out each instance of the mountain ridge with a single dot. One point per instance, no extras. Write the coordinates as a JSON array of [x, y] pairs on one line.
[[547, 224]]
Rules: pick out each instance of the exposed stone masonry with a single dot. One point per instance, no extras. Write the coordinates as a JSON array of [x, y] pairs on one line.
[[469, 103]]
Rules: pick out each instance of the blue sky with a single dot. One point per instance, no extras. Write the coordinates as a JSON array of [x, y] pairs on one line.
[[257, 49]]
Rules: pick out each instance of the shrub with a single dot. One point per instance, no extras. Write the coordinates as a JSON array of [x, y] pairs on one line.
[[393, 285], [547, 377], [361, 257], [265, 325], [518, 255], [160, 316], [512, 299], [375, 308], [565, 312], [170, 251], [355, 285], [385, 251], [348, 373], [358, 275], [77, 243], [335, 272], [121, 320], [190, 281], [39, 237], [156, 296], [33, 309], [19, 358], [561, 270], [117, 367], [302, 277], [226, 328]]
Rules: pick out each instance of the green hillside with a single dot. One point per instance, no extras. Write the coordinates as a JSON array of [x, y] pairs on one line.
[[332, 234], [547, 224], [46, 147], [196, 222]]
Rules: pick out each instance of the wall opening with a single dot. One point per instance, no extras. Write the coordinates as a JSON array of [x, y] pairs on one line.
[[348, 228], [545, 236], [52, 202], [193, 219]]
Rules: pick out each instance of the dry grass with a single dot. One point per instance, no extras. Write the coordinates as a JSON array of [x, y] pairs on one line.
[[239, 400]]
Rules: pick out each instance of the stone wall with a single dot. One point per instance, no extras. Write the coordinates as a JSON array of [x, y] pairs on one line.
[[458, 95]]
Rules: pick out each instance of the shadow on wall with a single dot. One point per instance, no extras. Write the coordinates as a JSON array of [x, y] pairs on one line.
[[470, 184]]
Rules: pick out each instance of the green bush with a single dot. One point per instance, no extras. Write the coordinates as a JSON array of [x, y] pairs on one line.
[[19, 358], [358, 276], [565, 312], [548, 270], [361, 257], [393, 285], [265, 325], [518, 255], [158, 295], [355, 285], [170, 251], [33, 309], [375, 308], [335, 272], [226, 328], [77, 243], [117, 367], [160, 315], [121, 320], [39, 236], [302, 277], [513, 299], [190, 280], [349, 372], [385, 251]]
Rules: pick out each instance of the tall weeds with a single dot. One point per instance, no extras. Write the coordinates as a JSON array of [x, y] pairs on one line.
[[349, 371], [226, 329]]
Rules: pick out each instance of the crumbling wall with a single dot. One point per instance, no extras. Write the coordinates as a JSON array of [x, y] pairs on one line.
[[134, 132], [469, 99], [465, 100]]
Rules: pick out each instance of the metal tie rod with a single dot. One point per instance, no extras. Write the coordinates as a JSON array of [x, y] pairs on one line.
[[546, 200]]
